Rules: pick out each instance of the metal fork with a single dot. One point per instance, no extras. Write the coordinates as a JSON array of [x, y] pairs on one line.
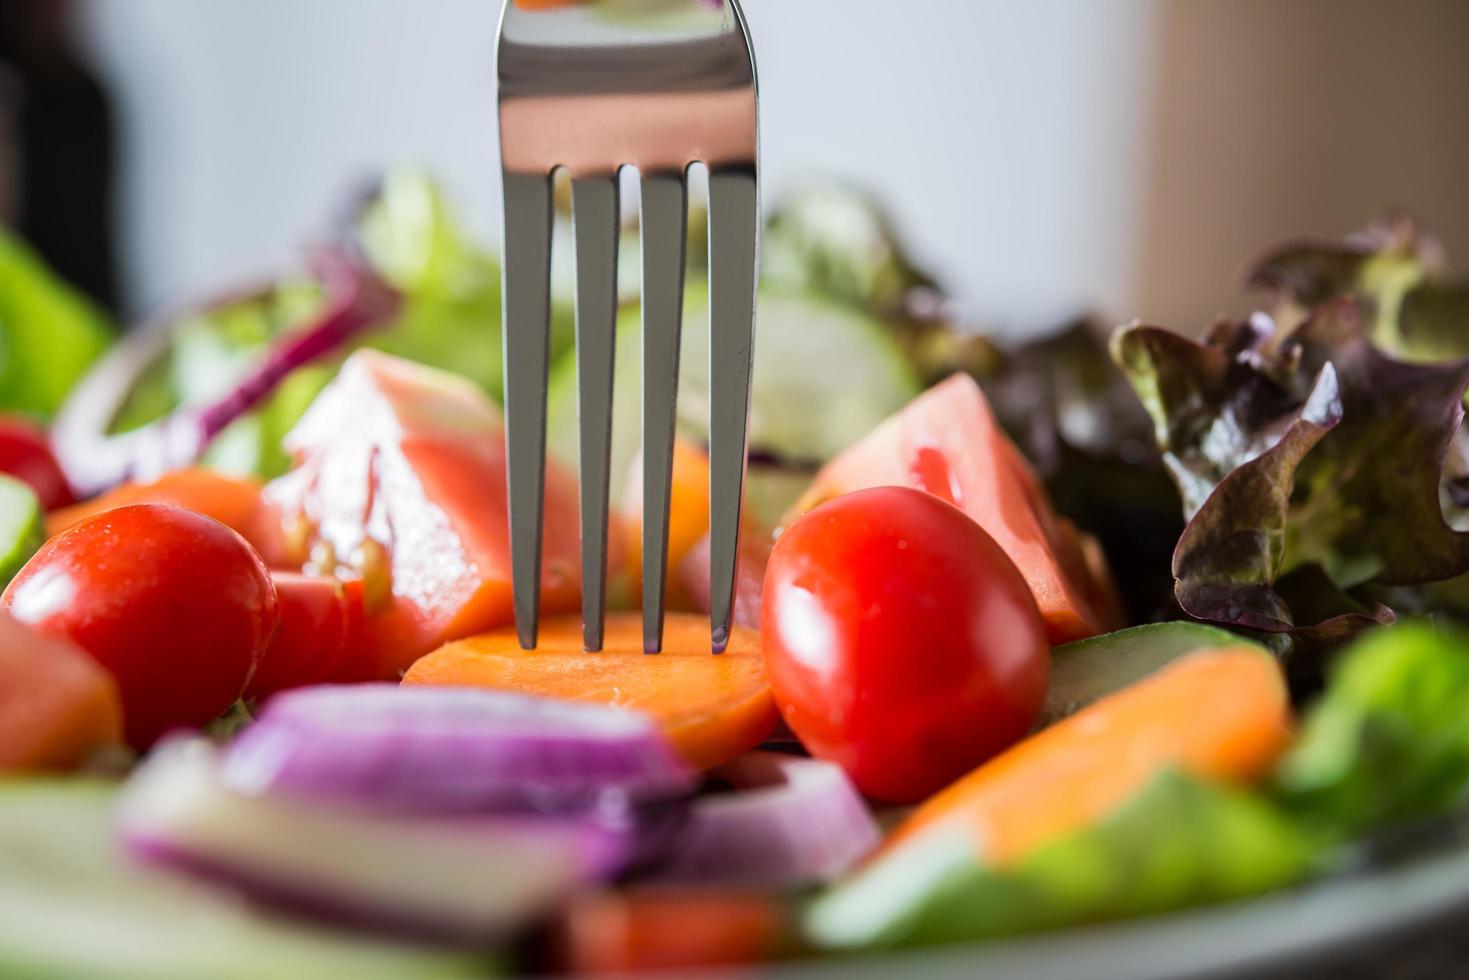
[[658, 85]]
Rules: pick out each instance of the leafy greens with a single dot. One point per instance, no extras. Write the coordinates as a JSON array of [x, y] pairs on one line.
[[49, 333], [1317, 470]]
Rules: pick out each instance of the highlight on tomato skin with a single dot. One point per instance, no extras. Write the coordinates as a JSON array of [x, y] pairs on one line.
[[900, 642], [177, 607]]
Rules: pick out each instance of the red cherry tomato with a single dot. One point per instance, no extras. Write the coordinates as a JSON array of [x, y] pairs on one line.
[[320, 633], [900, 642], [176, 605], [26, 455]]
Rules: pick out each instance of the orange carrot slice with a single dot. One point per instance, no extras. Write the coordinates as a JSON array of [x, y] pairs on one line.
[[671, 928], [711, 707], [1223, 714], [233, 501], [56, 703]]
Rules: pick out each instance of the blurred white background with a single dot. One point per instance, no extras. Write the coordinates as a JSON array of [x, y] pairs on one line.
[[1043, 157]]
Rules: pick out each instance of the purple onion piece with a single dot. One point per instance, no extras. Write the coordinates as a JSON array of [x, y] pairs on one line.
[[470, 879], [792, 822], [94, 460], [452, 750]]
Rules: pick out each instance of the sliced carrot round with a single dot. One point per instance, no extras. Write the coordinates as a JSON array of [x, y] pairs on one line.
[[712, 707]]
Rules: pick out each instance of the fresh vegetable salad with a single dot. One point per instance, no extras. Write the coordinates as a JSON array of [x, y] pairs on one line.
[[1028, 636]]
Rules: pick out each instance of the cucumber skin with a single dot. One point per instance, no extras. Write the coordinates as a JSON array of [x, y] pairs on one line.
[[1084, 671], [56, 855], [27, 533], [783, 318]]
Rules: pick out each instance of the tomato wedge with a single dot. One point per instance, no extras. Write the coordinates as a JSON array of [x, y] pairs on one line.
[[948, 443]]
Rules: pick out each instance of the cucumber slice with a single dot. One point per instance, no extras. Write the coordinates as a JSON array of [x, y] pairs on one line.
[[70, 907], [562, 438], [22, 526], [771, 490], [1084, 671], [824, 376]]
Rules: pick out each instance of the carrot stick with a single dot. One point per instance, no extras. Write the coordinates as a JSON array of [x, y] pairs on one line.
[[711, 707], [670, 928], [56, 703], [1221, 713]]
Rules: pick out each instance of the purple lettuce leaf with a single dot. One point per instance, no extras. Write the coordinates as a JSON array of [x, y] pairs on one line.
[[1310, 464]]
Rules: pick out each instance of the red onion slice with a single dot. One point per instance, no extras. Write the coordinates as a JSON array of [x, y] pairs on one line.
[[357, 298], [465, 878], [793, 822], [445, 750]]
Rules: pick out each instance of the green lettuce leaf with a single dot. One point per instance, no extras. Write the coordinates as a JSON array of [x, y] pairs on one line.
[[49, 333], [1389, 739], [1300, 448], [834, 241], [451, 286], [211, 349], [1180, 842], [1394, 270], [450, 319]]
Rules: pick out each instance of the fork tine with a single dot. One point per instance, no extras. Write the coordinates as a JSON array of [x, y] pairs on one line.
[[664, 212], [595, 214], [524, 329], [734, 223]]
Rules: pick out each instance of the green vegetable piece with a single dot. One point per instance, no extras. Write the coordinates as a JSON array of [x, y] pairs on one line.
[[49, 333], [1085, 670], [210, 351], [22, 526], [450, 285], [72, 907], [824, 376], [772, 489], [1389, 739], [836, 242], [450, 319], [1394, 270], [1180, 842], [1292, 450]]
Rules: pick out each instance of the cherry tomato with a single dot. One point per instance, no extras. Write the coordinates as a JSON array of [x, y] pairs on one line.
[[26, 455], [900, 642], [176, 605], [320, 633]]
